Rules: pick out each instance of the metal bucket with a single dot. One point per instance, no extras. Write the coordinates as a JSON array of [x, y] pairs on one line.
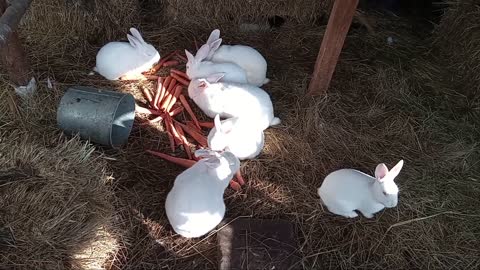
[[101, 116]]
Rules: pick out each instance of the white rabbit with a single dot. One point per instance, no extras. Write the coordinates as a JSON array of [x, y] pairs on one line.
[[237, 136], [233, 100], [126, 59], [195, 205], [346, 190], [246, 57], [198, 68]]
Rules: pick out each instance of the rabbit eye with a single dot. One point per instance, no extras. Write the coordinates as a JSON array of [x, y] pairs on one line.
[[384, 193]]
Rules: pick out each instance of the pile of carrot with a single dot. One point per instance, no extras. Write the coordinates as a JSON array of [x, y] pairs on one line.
[[166, 102]]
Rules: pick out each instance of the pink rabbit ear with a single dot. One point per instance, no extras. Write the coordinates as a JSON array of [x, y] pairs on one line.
[[217, 122], [133, 41], [202, 84], [201, 153], [396, 169], [202, 52], [136, 34], [213, 162], [381, 171], [190, 57], [214, 78], [213, 36], [215, 45]]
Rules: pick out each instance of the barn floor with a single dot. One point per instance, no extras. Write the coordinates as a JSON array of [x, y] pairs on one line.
[[388, 101]]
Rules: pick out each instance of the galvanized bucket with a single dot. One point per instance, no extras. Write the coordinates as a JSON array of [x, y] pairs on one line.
[[101, 116]]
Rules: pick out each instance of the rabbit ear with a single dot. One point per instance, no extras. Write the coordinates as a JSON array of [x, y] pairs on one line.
[[396, 169], [213, 36], [218, 123], [190, 57], [203, 153], [215, 77], [202, 84], [381, 171], [136, 34], [202, 52], [134, 42], [215, 45], [213, 162]]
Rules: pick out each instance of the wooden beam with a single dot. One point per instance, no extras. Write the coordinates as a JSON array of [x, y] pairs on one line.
[[338, 25], [12, 55], [11, 18]]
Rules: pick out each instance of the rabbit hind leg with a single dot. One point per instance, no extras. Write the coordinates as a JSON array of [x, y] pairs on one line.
[[343, 212]]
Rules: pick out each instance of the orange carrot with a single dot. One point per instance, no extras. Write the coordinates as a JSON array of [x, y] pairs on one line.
[[189, 110], [176, 135], [169, 133], [171, 63], [156, 119], [239, 177], [183, 58], [190, 124], [187, 163], [180, 79], [163, 60], [168, 94], [235, 186], [195, 135], [151, 77], [165, 84], [147, 94], [186, 146], [176, 111], [206, 124], [176, 93], [140, 109], [157, 92], [180, 73]]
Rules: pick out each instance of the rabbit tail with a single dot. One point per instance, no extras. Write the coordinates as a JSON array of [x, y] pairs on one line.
[[275, 121]]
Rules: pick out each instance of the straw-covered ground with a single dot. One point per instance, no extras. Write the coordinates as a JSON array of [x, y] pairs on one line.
[[415, 99]]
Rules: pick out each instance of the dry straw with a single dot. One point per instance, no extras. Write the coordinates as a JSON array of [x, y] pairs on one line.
[[54, 198]]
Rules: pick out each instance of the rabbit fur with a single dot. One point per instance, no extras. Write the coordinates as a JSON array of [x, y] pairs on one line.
[[346, 190], [195, 206], [233, 100], [198, 68], [126, 59], [237, 136], [244, 56]]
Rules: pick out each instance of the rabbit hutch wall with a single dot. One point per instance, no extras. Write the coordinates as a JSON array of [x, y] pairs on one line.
[[406, 90]]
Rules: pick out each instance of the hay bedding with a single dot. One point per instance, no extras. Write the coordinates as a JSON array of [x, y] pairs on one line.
[[52, 198], [383, 106]]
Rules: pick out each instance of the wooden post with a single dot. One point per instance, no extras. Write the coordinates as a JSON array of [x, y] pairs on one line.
[[12, 55], [338, 25], [11, 16]]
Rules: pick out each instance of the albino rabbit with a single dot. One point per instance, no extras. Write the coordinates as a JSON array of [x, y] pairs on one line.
[[198, 68], [195, 205], [233, 100], [346, 190], [246, 57], [237, 136], [126, 59]]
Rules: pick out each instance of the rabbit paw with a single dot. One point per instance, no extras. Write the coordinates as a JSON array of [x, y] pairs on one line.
[[367, 215], [352, 214], [133, 77], [235, 186]]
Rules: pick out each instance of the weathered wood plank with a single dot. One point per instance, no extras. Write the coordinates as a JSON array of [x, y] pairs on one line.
[[338, 25], [12, 54], [11, 18]]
